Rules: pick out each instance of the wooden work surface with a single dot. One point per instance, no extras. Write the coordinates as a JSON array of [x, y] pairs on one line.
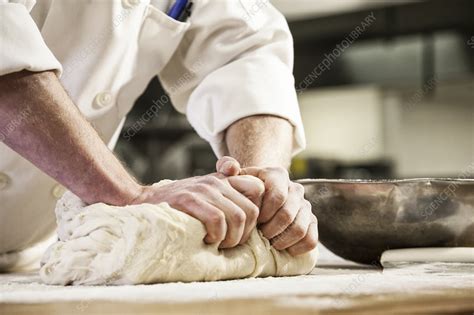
[[335, 287], [447, 302]]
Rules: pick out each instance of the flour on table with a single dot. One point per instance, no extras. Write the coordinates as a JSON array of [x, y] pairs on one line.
[[102, 244]]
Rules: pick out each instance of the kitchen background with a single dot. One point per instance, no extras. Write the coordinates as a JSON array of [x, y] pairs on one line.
[[386, 90]]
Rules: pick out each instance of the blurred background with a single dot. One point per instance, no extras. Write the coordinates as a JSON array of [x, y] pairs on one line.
[[386, 90]]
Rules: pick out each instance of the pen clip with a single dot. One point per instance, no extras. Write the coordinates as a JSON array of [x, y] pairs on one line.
[[186, 12]]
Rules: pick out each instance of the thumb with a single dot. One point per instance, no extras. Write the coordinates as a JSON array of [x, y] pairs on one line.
[[228, 166]]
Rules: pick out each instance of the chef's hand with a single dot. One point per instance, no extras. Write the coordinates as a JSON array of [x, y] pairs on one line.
[[227, 206], [285, 215]]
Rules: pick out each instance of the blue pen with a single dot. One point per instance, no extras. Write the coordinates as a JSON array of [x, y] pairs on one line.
[[177, 8]]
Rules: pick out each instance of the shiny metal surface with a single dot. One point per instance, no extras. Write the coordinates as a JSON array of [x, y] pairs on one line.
[[359, 219]]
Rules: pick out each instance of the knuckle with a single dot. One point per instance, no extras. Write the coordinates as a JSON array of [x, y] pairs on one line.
[[187, 197], [201, 188], [277, 244], [216, 236], [285, 217], [293, 252], [253, 213], [278, 198], [214, 181], [298, 188], [311, 242], [228, 244], [211, 237], [216, 219], [238, 217], [307, 205], [299, 231]]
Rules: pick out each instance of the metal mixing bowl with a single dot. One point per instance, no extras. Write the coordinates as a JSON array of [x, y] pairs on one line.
[[359, 219]]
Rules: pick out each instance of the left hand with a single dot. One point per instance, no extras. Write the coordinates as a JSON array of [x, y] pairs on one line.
[[285, 216]]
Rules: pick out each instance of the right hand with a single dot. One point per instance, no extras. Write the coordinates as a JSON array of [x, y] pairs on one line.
[[286, 217], [227, 206]]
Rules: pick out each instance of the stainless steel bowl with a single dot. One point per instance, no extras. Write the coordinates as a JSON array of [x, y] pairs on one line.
[[359, 219]]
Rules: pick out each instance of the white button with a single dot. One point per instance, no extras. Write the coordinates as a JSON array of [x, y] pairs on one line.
[[103, 99], [58, 191], [130, 3], [4, 181]]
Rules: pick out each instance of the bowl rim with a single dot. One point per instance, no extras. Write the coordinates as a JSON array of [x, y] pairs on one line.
[[384, 181]]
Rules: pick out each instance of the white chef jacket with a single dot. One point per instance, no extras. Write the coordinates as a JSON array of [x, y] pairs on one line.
[[231, 59]]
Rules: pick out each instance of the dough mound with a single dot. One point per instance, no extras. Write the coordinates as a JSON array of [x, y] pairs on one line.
[[106, 245]]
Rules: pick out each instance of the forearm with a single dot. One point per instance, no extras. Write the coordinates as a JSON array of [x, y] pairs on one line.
[[52, 134], [261, 141]]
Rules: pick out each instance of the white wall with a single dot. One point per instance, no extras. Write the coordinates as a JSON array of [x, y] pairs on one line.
[[425, 135], [433, 136], [343, 123]]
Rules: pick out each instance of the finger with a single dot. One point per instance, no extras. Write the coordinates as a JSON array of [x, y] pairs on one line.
[[251, 189], [228, 166], [250, 186], [277, 183], [240, 213], [212, 218], [295, 232], [235, 217], [308, 243], [244, 204], [286, 214]]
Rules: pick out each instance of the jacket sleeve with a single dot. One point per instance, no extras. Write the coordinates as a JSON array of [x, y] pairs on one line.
[[235, 61], [21, 46]]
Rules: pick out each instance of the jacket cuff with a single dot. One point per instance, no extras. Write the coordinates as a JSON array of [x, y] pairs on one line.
[[268, 89], [22, 47]]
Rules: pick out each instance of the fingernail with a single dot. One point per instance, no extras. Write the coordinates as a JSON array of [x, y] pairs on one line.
[[228, 166]]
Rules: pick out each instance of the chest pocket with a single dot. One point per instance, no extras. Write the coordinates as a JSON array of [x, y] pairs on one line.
[[159, 37]]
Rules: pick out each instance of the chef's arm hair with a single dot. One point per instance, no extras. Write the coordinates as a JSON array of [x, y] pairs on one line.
[[261, 140], [39, 121]]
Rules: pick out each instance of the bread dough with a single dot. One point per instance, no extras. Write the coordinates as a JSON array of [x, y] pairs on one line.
[[101, 244]]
